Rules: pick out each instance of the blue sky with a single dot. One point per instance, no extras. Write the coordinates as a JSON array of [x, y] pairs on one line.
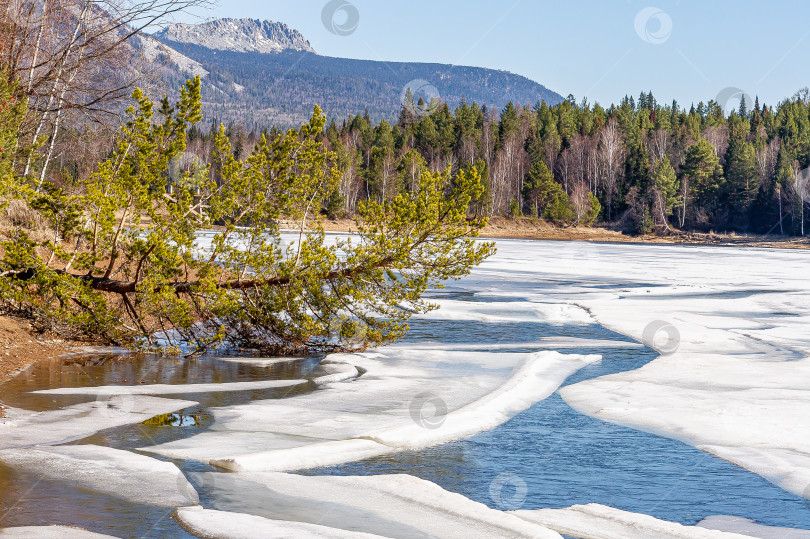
[[683, 49]]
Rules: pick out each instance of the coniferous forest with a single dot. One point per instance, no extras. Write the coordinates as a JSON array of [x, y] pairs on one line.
[[640, 165]]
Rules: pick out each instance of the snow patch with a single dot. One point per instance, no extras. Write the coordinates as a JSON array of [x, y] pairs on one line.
[[154, 50]]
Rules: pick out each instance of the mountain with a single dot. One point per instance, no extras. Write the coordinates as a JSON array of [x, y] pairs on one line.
[[157, 53], [261, 73], [238, 35]]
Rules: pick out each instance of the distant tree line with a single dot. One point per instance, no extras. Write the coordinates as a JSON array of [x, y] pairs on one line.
[[641, 165]]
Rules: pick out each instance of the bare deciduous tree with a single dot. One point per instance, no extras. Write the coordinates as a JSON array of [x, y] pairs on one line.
[[718, 138], [659, 143], [611, 151], [75, 61]]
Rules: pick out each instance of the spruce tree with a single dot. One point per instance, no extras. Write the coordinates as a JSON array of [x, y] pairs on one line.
[[743, 110], [701, 179]]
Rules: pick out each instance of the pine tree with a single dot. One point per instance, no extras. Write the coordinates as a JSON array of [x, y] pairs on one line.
[[665, 182], [701, 177], [743, 111], [509, 123], [407, 113], [130, 264], [637, 163], [539, 187], [742, 175]]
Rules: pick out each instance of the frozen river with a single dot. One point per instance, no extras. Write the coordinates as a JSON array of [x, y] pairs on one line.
[[657, 380]]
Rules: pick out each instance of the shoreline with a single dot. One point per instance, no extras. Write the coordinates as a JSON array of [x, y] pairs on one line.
[[21, 347], [526, 229]]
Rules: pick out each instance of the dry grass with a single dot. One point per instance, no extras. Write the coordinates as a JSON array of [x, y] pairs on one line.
[[16, 215]]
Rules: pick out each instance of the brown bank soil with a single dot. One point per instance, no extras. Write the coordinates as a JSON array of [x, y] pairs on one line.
[[529, 229], [20, 347]]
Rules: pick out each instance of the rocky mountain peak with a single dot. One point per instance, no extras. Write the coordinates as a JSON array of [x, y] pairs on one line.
[[238, 35]]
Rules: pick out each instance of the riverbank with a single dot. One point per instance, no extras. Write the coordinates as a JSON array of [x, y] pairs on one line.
[[528, 229], [20, 347]]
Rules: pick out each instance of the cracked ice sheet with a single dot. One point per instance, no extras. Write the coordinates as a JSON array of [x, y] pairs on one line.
[[23, 428], [49, 532], [171, 389], [740, 378], [389, 408], [133, 477], [387, 505], [594, 521]]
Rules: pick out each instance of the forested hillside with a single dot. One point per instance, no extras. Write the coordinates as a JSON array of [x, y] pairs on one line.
[[643, 165], [257, 90]]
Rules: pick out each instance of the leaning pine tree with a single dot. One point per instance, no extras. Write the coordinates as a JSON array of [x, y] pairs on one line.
[[122, 257]]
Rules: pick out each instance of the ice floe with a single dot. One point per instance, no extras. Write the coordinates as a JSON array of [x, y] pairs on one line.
[[260, 361], [594, 521], [730, 323], [339, 371], [123, 474], [386, 505], [172, 389], [789, 468], [227, 525], [406, 399], [23, 428], [750, 528], [534, 379], [511, 311], [49, 532]]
